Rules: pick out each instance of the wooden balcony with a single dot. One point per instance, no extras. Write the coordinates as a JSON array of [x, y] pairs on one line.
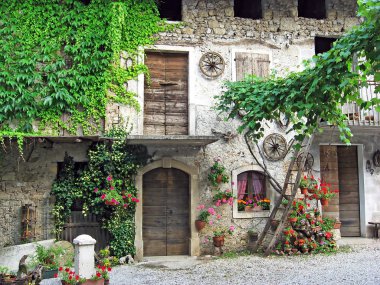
[[358, 117]]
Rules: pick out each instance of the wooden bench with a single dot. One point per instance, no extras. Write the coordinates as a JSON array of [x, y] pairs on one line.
[[376, 229]]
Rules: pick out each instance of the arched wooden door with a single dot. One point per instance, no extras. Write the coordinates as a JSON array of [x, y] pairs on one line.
[[166, 228]]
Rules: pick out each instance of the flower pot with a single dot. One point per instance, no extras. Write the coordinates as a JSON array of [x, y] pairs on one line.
[[218, 241], [248, 209], [311, 190], [93, 282], [293, 220], [200, 225], [257, 209], [274, 224], [303, 191], [337, 225], [324, 202], [49, 273], [219, 179], [253, 236], [106, 282]]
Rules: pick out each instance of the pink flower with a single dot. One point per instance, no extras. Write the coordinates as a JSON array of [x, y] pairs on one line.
[[232, 228], [96, 190], [224, 201], [111, 188], [232, 183], [228, 191], [125, 205], [219, 216], [218, 203], [129, 195], [109, 178], [201, 207], [103, 196], [211, 211], [210, 223], [124, 196]]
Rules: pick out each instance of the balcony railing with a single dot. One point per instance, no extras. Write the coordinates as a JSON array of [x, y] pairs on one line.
[[358, 117]]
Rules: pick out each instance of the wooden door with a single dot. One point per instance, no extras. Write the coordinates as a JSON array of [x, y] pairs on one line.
[[349, 211], [166, 228], [166, 95]]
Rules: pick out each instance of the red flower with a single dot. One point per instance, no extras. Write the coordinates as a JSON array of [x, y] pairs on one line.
[[103, 196], [70, 277], [98, 274], [328, 235], [67, 269], [56, 275], [76, 277], [103, 268], [109, 269], [60, 269], [129, 195]]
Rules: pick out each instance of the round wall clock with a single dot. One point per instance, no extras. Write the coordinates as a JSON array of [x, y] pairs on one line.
[[212, 64], [275, 147]]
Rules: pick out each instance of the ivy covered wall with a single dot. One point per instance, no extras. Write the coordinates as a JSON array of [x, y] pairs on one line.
[[62, 57]]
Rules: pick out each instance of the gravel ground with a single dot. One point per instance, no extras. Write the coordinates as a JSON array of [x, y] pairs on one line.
[[358, 265]]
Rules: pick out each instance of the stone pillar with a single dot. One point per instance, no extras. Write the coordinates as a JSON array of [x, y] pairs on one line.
[[84, 256]]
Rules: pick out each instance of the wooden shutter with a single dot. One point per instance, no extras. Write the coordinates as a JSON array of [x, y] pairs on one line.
[[251, 63], [166, 95]]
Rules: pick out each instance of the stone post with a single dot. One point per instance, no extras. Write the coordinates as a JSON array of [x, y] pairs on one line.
[[84, 256]]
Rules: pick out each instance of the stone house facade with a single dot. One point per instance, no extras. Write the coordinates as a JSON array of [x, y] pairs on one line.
[[185, 135]]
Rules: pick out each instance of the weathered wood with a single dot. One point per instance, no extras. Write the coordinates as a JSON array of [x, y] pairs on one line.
[[165, 203], [166, 97], [251, 63], [349, 209]]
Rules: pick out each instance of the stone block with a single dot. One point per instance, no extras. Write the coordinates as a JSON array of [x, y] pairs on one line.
[[229, 12], [219, 31], [213, 24], [289, 24], [84, 256]]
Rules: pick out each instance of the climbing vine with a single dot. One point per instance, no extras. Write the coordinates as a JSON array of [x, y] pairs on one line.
[[62, 57], [110, 172], [329, 81]]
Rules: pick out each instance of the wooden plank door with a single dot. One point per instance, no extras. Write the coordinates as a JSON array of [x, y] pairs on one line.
[[166, 212], [166, 95], [349, 211]]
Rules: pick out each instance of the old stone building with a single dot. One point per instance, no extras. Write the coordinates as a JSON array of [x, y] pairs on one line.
[[217, 41]]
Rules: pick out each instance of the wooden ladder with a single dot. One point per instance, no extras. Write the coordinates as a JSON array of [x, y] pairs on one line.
[[268, 238]]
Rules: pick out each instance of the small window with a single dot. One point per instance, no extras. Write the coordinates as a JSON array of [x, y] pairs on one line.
[[251, 188], [250, 9], [323, 44], [170, 10], [315, 9]]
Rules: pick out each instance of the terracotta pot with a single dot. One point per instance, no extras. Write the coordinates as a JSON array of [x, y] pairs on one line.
[[106, 282], [304, 191], [324, 202], [218, 241], [93, 282], [257, 208], [248, 209], [293, 220], [311, 190], [219, 178], [200, 225], [337, 225]]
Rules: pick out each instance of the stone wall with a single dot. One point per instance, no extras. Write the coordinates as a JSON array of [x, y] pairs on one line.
[[28, 180], [213, 20]]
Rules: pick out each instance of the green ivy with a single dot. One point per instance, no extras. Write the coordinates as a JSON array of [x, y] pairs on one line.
[[316, 93], [113, 158], [63, 57]]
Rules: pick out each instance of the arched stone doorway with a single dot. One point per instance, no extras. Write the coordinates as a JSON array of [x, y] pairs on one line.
[[159, 176]]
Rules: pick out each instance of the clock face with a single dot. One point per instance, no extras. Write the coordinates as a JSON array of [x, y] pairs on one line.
[[211, 64], [275, 147]]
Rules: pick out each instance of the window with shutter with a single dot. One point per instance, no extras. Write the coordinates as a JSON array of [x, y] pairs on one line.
[[251, 63]]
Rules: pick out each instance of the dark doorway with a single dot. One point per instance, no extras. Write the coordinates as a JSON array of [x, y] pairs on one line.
[[170, 9], [315, 9], [250, 9]]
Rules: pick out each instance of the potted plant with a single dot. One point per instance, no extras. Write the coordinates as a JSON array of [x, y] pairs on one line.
[[241, 205], [223, 197], [49, 259], [253, 235], [304, 184], [68, 277], [264, 203], [293, 216], [217, 174], [219, 233], [313, 185], [324, 193], [274, 224], [104, 272], [203, 216]]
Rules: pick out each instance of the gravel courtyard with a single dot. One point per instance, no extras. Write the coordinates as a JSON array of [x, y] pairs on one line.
[[359, 264]]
